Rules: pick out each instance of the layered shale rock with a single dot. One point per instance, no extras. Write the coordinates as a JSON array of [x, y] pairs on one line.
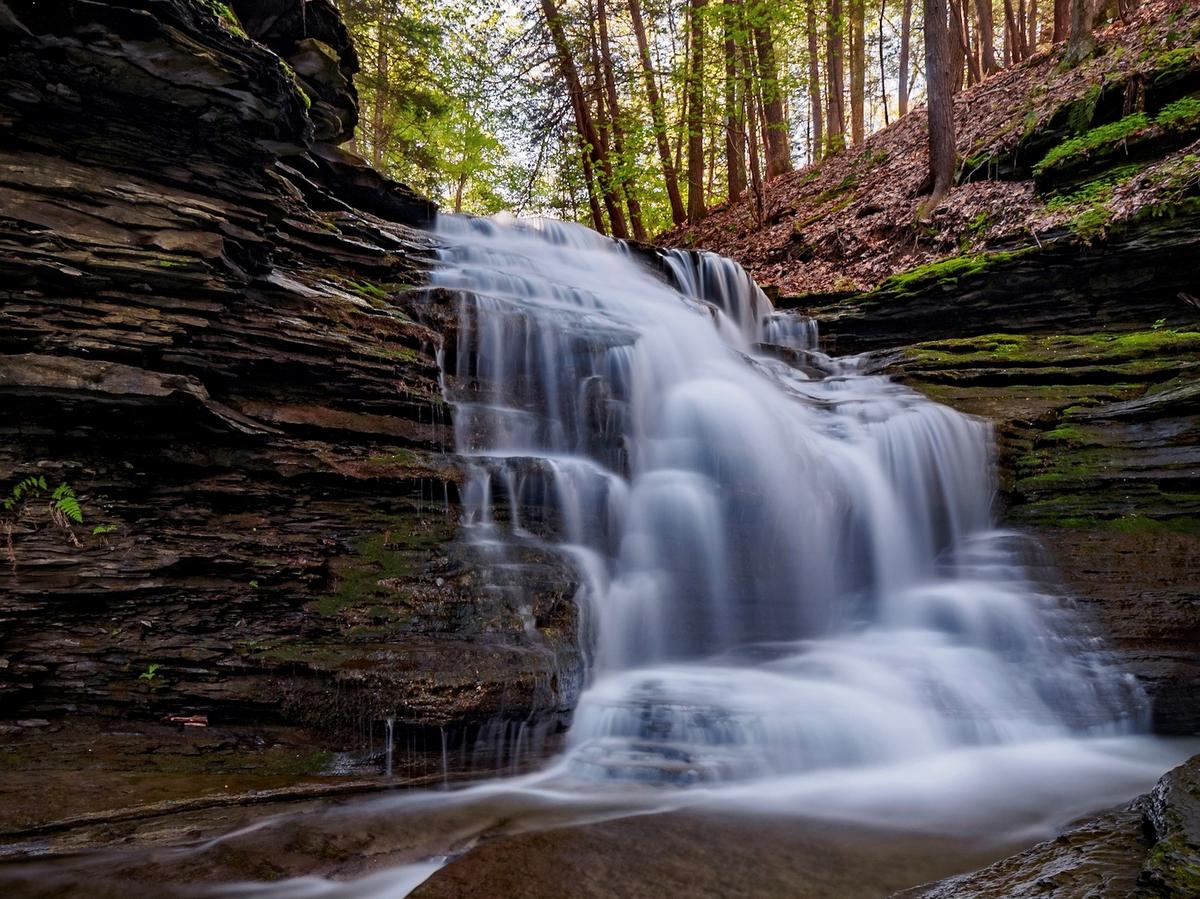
[[1087, 358], [213, 330]]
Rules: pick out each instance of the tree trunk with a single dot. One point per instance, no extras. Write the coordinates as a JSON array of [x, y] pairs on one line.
[[814, 81], [1032, 39], [858, 69], [961, 47], [940, 81], [735, 133], [657, 115], [583, 117], [1062, 20], [883, 97], [1082, 42], [749, 97], [775, 126], [835, 119], [905, 49], [985, 29], [610, 182], [695, 116], [618, 131], [381, 86]]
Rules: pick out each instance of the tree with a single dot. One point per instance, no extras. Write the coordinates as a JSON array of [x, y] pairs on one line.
[[1062, 20], [940, 104], [735, 125], [658, 114], [814, 78], [1082, 42], [628, 187], [905, 48], [695, 118], [778, 144], [986, 29], [858, 70], [835, 114]]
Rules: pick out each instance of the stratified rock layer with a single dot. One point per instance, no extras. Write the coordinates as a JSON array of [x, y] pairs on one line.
[[212, 328]]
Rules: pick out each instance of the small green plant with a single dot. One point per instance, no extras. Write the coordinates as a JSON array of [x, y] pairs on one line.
[[64, 508], [1159, 325], [254, 585], [151, 673], [101, 530]]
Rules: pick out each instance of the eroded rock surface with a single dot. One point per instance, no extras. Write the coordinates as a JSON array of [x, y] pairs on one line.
[[212, 328], [1149, 849]]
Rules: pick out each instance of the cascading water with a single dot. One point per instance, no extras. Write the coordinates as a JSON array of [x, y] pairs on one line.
[[794, 592], [789, 566]]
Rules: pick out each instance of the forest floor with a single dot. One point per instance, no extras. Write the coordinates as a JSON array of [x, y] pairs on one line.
[[1046, 153]]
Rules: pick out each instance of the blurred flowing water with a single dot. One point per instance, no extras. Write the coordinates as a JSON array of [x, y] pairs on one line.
[[788, 567], [796, 600]]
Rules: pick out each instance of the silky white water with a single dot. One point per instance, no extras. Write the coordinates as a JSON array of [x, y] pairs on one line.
[[795, 597], [788, 568]]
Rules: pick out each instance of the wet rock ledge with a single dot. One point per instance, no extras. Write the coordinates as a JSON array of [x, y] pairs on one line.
[[213, 330]]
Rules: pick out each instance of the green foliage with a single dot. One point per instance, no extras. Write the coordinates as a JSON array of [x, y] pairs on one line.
[[227, 17], [36, 484], [67, 503], [1097, 138], [102, 530], [1181, 115], [63, 500], [151, 673]]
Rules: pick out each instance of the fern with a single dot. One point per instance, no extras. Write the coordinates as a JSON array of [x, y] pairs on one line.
[[37, 483], [67, 503]]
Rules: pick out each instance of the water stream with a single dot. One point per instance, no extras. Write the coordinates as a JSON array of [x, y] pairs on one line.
[[795, 596], [789, 567]]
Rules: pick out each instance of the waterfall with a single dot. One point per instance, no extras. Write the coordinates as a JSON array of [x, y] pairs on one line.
[[792, 564]]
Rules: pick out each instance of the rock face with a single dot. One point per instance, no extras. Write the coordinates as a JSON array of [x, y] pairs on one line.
[[1148, 850], [212, 329], [1087, 358]]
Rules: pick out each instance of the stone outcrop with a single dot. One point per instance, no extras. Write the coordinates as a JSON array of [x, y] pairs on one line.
[[1086, 358], [213, 329], [1149, 849]]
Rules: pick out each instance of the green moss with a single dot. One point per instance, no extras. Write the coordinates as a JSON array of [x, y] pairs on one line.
[[1080, 113], [394, 552], [1170, 62], [1182, 115], [227, 17], [1101, 138], [948, 271]]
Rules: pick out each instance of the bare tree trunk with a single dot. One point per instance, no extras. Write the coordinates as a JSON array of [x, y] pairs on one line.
[[610, 181], [695, 116], [1032, 40], [905, 49], [381, 86], [735, 133], [775, 126], [883, 97], [1082, 42], [858, 69], [961, 43], [940, 80], [588, 135], [1062, 20], [814, 81], [835, 119], [657, 115], [618, 131], [749, 96], [985, 29]]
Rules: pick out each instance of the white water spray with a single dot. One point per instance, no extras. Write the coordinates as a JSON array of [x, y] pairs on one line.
[[791, 568]]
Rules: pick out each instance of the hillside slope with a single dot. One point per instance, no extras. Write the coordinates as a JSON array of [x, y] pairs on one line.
[[1046, 154]]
